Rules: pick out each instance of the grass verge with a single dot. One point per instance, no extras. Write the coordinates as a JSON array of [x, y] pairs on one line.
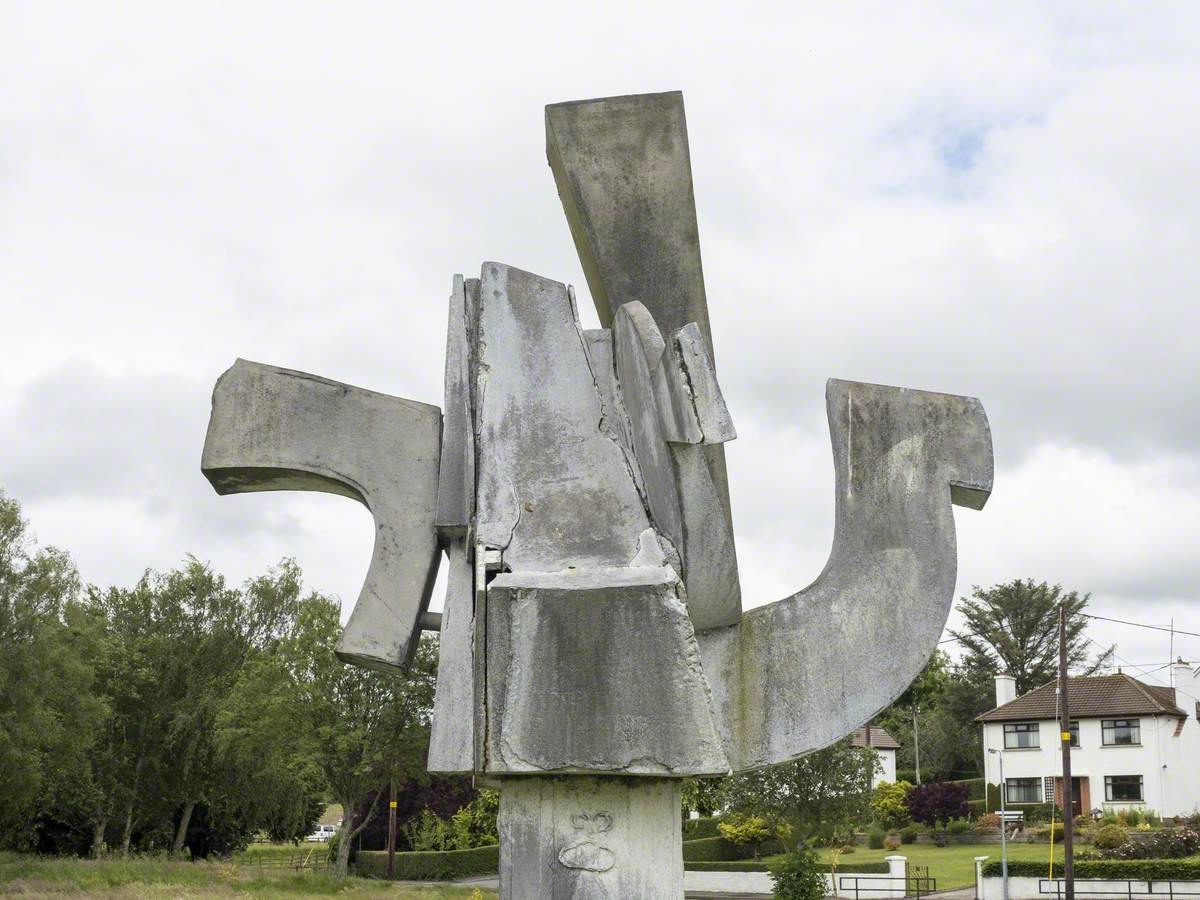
[[143, 879]]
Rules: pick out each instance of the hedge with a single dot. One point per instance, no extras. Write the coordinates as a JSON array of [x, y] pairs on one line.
[[694, 829], [976, 788], [431, 865], [1111, 869], [728, 865], [715, 849], [751, 865]]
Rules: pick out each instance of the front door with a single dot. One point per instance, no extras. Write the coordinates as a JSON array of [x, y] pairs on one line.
[[1079, 787]]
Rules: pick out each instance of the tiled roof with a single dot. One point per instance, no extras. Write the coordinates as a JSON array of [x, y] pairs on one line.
[[880, 739], [1090, 698]]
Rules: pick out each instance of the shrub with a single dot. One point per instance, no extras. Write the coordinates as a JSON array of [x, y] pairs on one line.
[[849, 848], [1040, 813], [799, 876], [958, 826], [1110, 837], [992, 797], [1173, 843], [937, 802], [474, 825], [889, 803], [875, 839], [1052, 833], [1129, 817], [428, 831], [909, 834], [976, 787], [700, 828], [747, 830], [988, 823], [891, 842], [431, 866]]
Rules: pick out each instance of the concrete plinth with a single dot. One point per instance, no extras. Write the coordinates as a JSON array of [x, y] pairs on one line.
[[577, 837]]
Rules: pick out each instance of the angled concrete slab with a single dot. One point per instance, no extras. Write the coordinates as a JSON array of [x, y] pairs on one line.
[[853, 640], [276, 429]]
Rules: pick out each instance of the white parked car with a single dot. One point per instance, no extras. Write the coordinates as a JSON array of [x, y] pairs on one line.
[[322, 833]]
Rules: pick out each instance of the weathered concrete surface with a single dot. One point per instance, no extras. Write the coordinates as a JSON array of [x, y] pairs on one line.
[[555, 490], [799, 674], [623, 171], [275, 429], [596, 671], [678, 485], [456, 479], [452, 735], [578, 838], [624, 175], [698, 386], [637, 350]]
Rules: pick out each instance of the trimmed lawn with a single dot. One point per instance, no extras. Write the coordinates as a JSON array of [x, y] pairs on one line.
[[953, 866], [142, 879]]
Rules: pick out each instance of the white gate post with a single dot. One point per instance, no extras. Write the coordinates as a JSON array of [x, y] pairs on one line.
[[979, 861], [897, 876]]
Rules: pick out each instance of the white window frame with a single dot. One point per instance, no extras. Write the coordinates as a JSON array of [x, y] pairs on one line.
[[1031, 728], [1108, 789], [1037, 790], [1134, 727]]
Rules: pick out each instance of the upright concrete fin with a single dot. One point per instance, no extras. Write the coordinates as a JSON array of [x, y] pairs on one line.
[[799, 674], [555, 490], [275, 429], [456, 479], [624, 175], [452, 735]]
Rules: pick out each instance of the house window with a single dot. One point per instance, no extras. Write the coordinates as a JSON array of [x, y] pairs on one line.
[[1021, 736], [1074, 729], [1119, 732], [1122, 787], [1023, 790]]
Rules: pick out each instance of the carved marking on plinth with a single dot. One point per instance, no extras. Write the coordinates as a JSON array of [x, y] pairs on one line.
[[583, 852]]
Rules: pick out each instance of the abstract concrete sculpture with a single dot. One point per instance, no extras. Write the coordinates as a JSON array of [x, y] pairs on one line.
[[593, 647]]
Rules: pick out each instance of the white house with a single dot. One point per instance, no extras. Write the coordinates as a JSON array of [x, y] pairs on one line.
[[885, 745], [1132, 744]]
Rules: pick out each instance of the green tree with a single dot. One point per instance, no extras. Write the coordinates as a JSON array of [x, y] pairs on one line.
[[704, 795], [1013, 627], [48, 711], [821, 794], [889, 803], [359, 727]]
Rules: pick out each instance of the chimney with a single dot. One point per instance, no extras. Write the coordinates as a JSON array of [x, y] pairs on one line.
[[1006, 689], [1187, 684]]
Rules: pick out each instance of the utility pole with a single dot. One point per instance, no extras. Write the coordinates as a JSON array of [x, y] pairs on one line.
[[916, 744], [391, 865], [1065, 738]]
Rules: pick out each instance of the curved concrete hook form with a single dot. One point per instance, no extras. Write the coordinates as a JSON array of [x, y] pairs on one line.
[[799, 674], [279, 430]]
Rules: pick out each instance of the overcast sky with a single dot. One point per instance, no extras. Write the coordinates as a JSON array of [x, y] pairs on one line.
[[1000, 200]]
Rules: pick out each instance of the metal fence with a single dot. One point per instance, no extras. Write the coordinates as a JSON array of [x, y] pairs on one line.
[[315, 860], [1116, 887], [917, 883]]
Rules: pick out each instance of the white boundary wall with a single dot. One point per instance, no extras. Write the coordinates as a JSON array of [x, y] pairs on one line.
[[891, 886], [1025, 888]]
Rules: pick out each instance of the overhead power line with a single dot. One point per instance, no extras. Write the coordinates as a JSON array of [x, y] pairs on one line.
[[1141, 625]]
